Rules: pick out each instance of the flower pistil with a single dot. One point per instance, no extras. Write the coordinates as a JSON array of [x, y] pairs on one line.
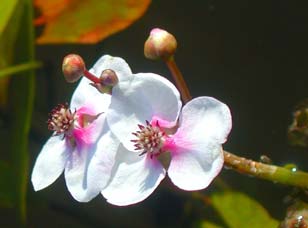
[[150, 139], [61, 120]]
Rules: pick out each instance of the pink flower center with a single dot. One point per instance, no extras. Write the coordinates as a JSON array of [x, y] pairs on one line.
[[150, 139], [61, 120], [76, 127]]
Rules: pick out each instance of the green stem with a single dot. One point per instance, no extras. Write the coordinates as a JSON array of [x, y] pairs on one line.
[[265, 171], [240, 164], [19, 68]]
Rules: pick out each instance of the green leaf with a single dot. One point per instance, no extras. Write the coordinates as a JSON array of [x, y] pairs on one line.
[[17, 48], [207, 224], [21, 100], [10, 13], [86, 21], [239, 210], [7, 8], [8, 33]]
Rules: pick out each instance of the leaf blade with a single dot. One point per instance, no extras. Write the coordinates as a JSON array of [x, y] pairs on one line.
[[239, 210], [87, 21], [7, 8], [22, 99]]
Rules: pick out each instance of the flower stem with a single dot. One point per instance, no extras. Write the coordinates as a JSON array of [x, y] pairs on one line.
[[179, 79], [240, 164], [265, 171], [91, 77]]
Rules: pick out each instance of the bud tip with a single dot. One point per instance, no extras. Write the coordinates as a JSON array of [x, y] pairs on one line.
[[109, 78], [160, 45], [73, 67]]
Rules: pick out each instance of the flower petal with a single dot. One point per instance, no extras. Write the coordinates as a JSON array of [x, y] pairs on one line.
[[197, 156], [50, 163], [87, 95], [134, 178], [101, 164], [78, 171], [205, 118], [138, 100], [195, 168], [117, 64]]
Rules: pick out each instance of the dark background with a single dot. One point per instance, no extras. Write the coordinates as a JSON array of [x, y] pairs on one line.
[[252, 55]]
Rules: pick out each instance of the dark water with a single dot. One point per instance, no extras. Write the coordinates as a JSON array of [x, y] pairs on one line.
[[252, 55]]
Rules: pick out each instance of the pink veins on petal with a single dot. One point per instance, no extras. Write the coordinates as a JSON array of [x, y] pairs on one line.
[[83, 130]]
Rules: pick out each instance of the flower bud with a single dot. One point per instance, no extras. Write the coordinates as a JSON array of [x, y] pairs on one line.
[[160, 45], [73, 67], [109, 78], [297, 216], [298, 130]]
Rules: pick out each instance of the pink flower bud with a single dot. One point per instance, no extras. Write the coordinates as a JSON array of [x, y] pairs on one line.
[[160, 45], [73, 67]]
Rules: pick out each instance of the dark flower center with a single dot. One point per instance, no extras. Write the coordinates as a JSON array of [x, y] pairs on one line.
[[150, 139], [61, 119]]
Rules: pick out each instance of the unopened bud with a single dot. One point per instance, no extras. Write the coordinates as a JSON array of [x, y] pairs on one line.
[[297, 216], [73, 67], [107, 81], [298, 130], [109, 78], [160, 45]]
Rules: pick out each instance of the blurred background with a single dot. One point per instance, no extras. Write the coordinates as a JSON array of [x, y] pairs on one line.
[[252, 55]]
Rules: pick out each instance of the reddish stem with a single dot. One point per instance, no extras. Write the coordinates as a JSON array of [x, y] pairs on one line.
[[179, 80], [91, 77]]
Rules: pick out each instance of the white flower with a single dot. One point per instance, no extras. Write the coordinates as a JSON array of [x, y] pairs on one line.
[[143, 114], [82, 144]]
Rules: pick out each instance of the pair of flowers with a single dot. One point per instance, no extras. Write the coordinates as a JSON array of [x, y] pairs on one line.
[[113, 144]]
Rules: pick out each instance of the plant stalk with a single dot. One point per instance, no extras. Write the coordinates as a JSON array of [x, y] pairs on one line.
[[240, 164], [179, 79]]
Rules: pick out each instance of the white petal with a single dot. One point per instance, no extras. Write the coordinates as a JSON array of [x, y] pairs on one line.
[[50, 163], [101, 164], [141, 99], [205, 118], [134, 178], [117, 64], [87, 95], [78, 169], [204, 125], [195, 168]]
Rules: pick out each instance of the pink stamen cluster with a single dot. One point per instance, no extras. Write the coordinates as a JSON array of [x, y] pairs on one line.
[[61, 119], [150, 139]]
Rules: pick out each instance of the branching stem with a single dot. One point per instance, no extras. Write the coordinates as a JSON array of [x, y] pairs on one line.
[[240, 164]]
